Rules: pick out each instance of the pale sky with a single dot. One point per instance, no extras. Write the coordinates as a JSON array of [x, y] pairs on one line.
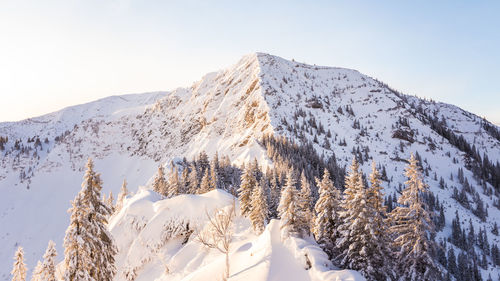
[[55, 54]]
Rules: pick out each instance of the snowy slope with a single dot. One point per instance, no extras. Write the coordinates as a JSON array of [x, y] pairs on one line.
[[141, 229], [57, 173], [226, 111], [53, 124]]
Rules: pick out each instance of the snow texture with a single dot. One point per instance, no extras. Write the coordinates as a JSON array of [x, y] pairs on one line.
[[150, 248], [226, 111]]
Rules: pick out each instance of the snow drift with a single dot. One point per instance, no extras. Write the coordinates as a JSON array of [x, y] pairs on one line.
[[155, 244]]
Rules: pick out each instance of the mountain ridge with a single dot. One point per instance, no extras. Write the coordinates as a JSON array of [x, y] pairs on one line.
[[341, 112]]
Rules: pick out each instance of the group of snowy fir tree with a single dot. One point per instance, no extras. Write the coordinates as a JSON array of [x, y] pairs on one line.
[[196, 177], [44, 271], [380, 245], [353, 228], [385, 245], [89, 250], [252, 198]]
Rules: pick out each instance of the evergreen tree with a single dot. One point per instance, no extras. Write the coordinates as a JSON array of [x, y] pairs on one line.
[[183, 182], [194, 183], [19, 267], [379, 254], [354, 194], [214, 172], [174, 184], [105, 200], [78, 244], [274, 194], [456, 232], [363, 243], [452, 261], [48, 266], [495, 254], [411, 223], [484, 261], [214, 179], [441, 220], [205, 183], [229, 175], [248, 182], [495, 229], [483, 241], [203, 162], [121, 196], [441, 254], [89, 247], [305, 205], [327, 218], [159, 183], [463, 270], [471, 236], [109, 202], [36, 275], [259, 211], [288, 208], [476, 276], [102, 260]]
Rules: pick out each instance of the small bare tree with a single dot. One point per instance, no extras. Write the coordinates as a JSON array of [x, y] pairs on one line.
[[219, 233]]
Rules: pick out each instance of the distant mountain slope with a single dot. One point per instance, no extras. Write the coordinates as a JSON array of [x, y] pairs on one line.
[[341, 111], [56, 123]]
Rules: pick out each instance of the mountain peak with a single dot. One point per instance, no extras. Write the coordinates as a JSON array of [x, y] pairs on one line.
[[339, 113]]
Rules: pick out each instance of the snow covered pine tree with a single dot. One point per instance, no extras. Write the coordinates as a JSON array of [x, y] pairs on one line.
[[205, 183], [77, 243], [381, 262], [174, 185], [36, 275], [89, 247], [19, 267], [411, 224], [290, 214], [159, 183], [327, 218], [305, 205], [248, 181], [361, 246], [47, 270], [121, 196], [259, 210]]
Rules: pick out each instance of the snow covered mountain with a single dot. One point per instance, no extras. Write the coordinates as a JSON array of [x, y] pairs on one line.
[[341, 111]]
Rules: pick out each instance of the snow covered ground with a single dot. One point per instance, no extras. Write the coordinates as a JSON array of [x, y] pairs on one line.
[[226, 111], [142, 225]]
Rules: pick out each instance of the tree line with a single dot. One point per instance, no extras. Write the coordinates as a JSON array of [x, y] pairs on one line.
[[89, 249], [351, 222]]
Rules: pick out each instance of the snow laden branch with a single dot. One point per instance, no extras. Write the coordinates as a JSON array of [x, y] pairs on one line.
[[219, 233]]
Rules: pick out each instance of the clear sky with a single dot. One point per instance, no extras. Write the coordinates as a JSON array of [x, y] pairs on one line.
[[59, 53]]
